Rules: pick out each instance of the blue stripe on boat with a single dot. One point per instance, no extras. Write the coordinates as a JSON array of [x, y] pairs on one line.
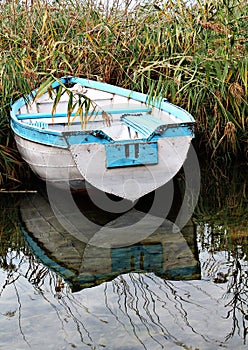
[[57, 138], [36, 134], [110, 111]]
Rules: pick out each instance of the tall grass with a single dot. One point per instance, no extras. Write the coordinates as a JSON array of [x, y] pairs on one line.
[[194, 53]]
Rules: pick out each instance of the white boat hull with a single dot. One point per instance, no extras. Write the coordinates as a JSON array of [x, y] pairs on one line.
[[55, 164], [131, 182], [50, 163]]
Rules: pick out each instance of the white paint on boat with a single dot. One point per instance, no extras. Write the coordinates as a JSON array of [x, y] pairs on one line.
[[47, 162]]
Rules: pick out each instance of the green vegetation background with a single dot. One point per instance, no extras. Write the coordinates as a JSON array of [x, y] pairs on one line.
[[194, 53]]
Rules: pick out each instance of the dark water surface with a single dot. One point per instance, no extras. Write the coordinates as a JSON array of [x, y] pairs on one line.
[[89, 279]]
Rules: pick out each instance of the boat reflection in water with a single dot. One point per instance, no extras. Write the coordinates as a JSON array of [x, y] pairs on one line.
[[84, 262], [151, 298]]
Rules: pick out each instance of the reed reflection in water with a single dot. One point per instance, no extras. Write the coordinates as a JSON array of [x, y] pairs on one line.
[[167, 307], [134, 311]]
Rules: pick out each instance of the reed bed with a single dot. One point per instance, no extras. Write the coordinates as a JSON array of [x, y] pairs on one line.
[[194, 53]]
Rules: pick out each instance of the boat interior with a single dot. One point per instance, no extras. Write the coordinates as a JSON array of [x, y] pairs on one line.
[[117, 116]]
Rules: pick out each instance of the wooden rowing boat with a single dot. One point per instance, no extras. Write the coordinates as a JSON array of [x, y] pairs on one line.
[[120, 141]]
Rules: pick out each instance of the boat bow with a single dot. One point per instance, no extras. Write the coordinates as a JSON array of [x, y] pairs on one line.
[[130, 182]]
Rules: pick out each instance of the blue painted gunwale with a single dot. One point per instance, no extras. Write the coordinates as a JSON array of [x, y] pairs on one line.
[[63, 139]]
